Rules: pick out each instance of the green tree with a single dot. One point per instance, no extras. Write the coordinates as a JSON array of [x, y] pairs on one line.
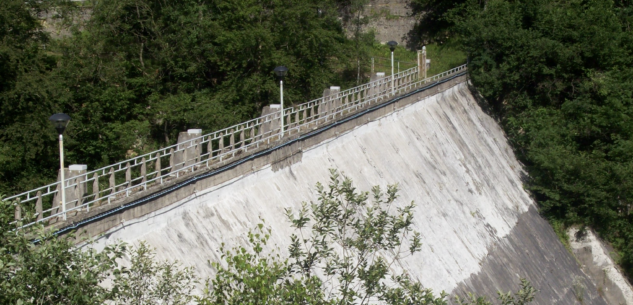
[[26, 94], [432, 24], [53, 271], [148, 281], [137, 72], [141, 71], [342, 253], [558, 76], [355, 19]]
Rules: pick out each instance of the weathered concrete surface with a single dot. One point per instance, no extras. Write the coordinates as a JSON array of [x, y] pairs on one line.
[[390, 20], [532, 251], [446, 154], [596, 262]]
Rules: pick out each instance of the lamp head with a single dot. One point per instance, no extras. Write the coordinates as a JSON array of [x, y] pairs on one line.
[[60, 121], [392, 45], [319, 12], [281, 71]]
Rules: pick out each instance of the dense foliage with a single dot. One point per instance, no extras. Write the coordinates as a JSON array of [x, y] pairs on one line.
[[51, 272], [26, 95], [432, 26], [137, 72], [558, 74]]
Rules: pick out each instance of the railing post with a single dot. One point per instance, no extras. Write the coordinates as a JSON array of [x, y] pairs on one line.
[[112, 182], [333, 99], [157, 165], [79, 171], [326, 104], [273, 124], [143, 170], [187, 148], [171, 160], [71, 194], [375, 88], [232, 139], [221, 143], [57, 198], [209, 150], [38, 206], [18, 212], [128, 175], [422, 63], [95, 188]]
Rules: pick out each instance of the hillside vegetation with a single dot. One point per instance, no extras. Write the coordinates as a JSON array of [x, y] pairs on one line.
[[137, 72], [558, 75]]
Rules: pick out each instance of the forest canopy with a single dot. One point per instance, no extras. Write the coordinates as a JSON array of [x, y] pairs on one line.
[[137, 72], [558, 75]]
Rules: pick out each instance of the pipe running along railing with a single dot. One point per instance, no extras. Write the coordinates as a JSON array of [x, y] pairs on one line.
[[123, 179]]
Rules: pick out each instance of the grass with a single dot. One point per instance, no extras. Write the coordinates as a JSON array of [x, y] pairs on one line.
[[561, 231], [442, 58]]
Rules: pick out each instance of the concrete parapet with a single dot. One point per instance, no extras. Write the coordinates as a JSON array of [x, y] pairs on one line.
[[422, 67], [74, 194], [279, 159], [188, 152], [375, 88], [272, 124], [331, 100]]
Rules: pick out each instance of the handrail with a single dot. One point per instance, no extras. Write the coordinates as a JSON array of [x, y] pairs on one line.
[[202, 152]]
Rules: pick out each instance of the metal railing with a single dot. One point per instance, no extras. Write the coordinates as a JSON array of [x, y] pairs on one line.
[[114, 182]]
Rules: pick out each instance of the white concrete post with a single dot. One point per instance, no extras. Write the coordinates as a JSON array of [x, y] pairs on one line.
[[63, 181], [128, 174], [38, 206], [18, 212], [95, 188], [77, 172], [423, 63], [393, 77], [157, 165], [335, 100], [281, 89], [112, 182]]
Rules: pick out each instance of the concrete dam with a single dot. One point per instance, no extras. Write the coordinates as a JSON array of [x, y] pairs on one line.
[[481, 231]]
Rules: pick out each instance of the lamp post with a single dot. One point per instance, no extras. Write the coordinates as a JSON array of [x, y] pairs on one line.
[[281, 72], [60, 121], [392, 46]]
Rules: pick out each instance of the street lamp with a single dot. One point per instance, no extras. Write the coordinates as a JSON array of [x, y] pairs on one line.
[[281, 72], [392, 46], [319, 12], [60, 121]]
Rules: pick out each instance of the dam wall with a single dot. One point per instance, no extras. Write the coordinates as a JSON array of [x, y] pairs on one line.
[[480, 229]]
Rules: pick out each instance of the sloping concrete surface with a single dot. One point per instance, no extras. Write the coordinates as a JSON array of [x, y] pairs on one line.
[[595, 259], [479, 228]]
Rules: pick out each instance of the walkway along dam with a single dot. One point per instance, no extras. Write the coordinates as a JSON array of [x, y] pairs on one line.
[[481, 231]]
